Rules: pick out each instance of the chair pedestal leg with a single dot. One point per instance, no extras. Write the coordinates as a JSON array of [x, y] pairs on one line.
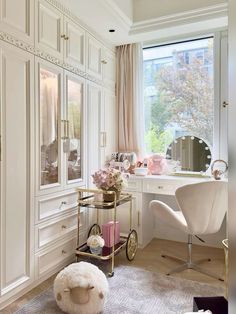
[[174, 258], [178, 269], [206, 272], [199, 261], [191, 265]]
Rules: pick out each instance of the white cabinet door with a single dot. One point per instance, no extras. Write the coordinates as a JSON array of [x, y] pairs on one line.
[[74, 44], [109, 69], [16, 236], [94, 95], [49, 156], [17, 18], [74, 144], [108, 126], [123, 216], [94, 57], [49, 29]]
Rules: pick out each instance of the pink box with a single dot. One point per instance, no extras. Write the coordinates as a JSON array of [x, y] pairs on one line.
[[108, 233]]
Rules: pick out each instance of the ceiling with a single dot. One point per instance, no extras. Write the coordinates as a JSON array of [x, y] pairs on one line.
[[148, 20]]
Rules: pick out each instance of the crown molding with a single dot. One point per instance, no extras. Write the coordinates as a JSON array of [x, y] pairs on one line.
[[41, 54], [191, 16], [118, 13]]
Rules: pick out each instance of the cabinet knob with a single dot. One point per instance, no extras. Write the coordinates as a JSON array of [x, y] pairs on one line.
[[63, 36], [63, 252], [63, 226], [66, 37], [62, 203], [160, 187], [104, 61], [225, 104]]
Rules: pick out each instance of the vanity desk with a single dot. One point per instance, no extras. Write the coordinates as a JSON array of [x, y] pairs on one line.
[[162, 187]]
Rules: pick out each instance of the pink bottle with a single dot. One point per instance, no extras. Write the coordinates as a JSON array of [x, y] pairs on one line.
[[108, 233], [157, 164]]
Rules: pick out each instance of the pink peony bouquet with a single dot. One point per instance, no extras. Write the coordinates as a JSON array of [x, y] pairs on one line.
[[106, 179]]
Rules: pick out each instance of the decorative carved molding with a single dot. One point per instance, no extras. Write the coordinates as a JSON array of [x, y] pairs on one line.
[[41, 54], [16, 42]]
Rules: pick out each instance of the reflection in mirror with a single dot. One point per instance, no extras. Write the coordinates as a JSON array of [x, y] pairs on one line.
[[74, 103], [192, 153], [48, 126]]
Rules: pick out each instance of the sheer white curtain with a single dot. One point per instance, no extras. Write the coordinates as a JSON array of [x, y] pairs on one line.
[[130, 99]]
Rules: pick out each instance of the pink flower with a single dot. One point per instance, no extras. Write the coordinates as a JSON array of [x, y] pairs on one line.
[[108, 178]]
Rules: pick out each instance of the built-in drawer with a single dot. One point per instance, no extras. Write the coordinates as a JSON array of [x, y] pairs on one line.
[[49, 232], [134, 185], [49, 260], [52, 205], [166, 187]]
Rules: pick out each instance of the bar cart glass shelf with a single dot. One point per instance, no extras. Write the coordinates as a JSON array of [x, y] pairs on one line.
[[90, 198]]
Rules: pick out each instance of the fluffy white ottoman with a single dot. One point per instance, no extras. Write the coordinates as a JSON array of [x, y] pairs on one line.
[[81, 288]]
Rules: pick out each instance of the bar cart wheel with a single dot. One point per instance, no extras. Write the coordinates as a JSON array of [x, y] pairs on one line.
[[131, 245], [94, 230], [111, 274]]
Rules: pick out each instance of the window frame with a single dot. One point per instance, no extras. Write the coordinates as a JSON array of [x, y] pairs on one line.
[[220, 126]]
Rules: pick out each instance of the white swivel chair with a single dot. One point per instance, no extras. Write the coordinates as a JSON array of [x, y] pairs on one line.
[[202, 210]]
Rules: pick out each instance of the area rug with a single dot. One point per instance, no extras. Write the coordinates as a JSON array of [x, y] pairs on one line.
[[136, 291]]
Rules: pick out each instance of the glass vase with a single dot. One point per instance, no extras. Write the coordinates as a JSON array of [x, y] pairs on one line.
[[111, 197]]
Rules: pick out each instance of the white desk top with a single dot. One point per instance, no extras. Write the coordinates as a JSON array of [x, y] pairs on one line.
[[172, 177]]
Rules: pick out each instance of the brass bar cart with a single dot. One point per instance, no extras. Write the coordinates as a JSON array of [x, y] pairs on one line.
[[89, 198]]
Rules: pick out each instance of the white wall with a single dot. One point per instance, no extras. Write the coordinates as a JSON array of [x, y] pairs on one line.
[[148, 9]]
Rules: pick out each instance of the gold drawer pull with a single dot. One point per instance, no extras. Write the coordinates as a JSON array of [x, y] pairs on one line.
[[66, 37], [63, 252], [225, 104], [62, 203], [63, 36], [63, 226]]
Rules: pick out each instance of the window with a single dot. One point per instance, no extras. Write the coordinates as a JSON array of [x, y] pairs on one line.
[[179, 93]]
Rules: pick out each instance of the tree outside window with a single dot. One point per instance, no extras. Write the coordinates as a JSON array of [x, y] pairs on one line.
[[178, 93]]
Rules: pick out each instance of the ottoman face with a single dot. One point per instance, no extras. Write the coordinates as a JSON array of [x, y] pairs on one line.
[[81, 288], [218, 305]]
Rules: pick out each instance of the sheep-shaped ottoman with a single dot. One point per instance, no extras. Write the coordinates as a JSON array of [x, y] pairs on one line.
[[81, 288]]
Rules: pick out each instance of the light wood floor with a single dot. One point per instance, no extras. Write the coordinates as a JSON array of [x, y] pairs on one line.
[[150, 259]]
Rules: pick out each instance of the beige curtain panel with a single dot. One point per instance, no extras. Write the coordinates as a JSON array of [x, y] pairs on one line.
[[129, 98]]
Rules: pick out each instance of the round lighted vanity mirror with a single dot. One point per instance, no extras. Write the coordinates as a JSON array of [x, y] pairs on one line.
[[192, 153]]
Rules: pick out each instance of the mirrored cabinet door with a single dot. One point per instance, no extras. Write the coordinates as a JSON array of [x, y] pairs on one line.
[[74, 128], [49, 99]]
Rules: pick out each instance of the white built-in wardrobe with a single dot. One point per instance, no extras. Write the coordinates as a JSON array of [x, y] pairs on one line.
[[57, 118]]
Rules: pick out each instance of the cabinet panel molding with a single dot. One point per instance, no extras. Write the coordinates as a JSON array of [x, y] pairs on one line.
[[94, 100], [50, 259], [94, 57], [16, 168], [53, 205], [74, 45], [17, 18], [109, 72], [49, 28]]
